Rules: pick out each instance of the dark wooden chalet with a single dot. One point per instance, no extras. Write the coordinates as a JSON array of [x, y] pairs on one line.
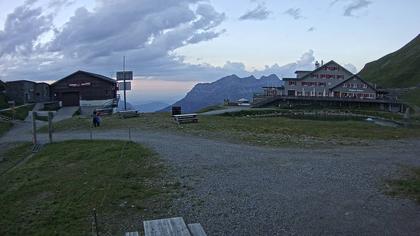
[[83, 86]]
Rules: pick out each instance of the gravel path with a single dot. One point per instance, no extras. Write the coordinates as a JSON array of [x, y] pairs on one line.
[[236, 189]]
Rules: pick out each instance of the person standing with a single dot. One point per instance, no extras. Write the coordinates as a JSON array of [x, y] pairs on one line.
[[95, 119], [98, 119]]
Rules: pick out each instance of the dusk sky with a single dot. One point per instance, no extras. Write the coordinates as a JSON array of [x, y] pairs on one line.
[[196, 41]]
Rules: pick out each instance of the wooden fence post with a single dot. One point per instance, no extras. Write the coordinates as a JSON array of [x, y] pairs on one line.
[[34, 139], [50, 127]]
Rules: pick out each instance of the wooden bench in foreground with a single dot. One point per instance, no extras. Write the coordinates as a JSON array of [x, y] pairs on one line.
[[170, 227], [186, 118]]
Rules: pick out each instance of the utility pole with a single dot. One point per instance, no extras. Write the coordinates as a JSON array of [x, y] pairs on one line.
[[125, 95]]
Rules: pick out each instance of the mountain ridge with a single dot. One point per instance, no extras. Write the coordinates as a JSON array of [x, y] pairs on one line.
[[230, 87], [399, 69]]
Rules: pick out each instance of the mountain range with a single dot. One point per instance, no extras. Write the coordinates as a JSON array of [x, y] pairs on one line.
[[230, 87]]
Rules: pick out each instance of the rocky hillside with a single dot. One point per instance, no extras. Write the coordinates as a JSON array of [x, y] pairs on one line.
[[400, 69], [231, 87]]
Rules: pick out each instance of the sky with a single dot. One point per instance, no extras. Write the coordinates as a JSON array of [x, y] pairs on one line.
[[173, 44]]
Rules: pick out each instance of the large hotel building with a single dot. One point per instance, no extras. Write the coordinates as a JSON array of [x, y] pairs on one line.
[[329, 84]]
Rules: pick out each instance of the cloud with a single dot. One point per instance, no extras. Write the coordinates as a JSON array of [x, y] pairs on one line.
[[259, 13], [146, 31], [311, 29], [352, 68], [356, 5], [352, 6], [294, 12], [22, 28]]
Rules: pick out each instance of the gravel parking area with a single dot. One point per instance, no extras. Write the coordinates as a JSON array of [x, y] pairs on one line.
[[234, 189], [242, 190]]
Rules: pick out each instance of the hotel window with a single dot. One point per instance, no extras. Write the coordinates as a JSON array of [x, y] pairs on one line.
[[365, 86], [292, 82]]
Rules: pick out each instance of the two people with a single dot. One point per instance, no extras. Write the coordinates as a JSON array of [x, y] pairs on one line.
[[96, 119]]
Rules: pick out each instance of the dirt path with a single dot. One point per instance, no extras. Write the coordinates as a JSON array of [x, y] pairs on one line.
[[234, 189]]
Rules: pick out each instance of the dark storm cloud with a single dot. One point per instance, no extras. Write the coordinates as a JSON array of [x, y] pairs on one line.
[[259, 13]]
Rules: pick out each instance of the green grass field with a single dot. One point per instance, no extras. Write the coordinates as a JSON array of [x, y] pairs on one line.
[[271, 131], [55, 191]]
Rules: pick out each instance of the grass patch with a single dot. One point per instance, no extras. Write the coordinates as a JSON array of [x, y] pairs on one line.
[[19, 113], [55, 191], [408, 186], [13, 156], [272, 131], [4, 127], [211, 108]]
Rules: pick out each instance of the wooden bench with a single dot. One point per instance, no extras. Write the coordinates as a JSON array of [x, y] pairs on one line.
[[186, 118], [128, 114], [171, 227]]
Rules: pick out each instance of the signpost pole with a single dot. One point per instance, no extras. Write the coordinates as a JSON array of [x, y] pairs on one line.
[[125, 96]]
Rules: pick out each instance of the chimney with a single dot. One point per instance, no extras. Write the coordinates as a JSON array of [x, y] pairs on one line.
[[322, 62], [316, 65]]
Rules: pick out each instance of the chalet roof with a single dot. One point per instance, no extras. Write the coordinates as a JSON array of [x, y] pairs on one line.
[[318, 69], [352, 77], [277, 87], [98, 76], [20, 81], [303, 71]]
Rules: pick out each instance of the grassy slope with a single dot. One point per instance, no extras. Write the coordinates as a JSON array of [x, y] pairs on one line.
[[13, 156], [400, 69], [412, 97], [275, 131], [20, 113], [56, 190]]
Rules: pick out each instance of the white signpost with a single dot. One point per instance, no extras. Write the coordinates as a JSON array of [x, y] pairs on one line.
[[126, 87], [123, 76]]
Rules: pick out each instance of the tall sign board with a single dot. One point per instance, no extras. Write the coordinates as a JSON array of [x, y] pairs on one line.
[[124, 75], [124, 86]]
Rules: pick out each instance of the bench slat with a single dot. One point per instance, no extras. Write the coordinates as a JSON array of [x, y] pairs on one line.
[[196, 229], [166, 227]]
